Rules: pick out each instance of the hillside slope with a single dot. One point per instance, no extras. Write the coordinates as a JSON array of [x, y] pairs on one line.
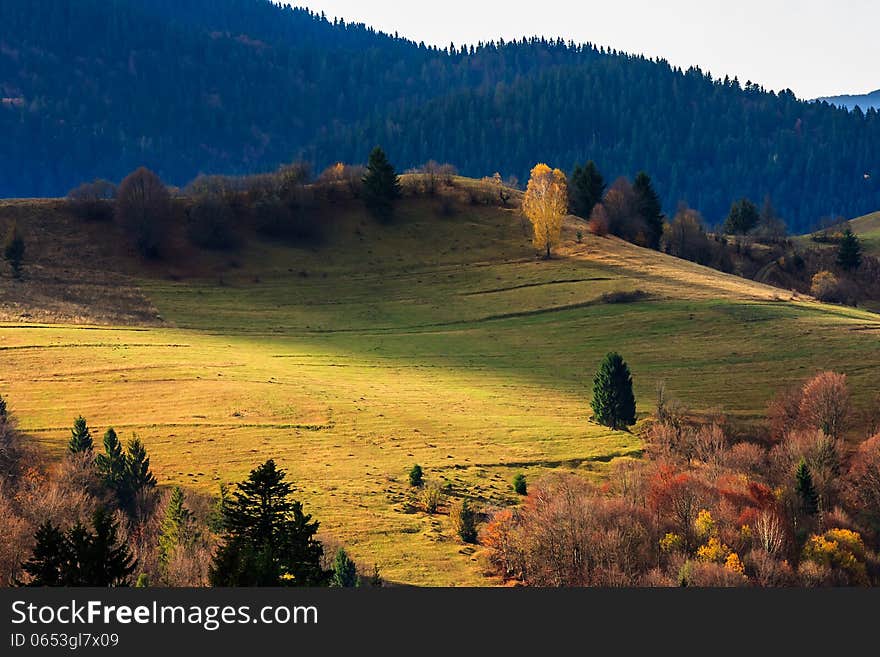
[[238, 86], [868, 230], [439, 340]]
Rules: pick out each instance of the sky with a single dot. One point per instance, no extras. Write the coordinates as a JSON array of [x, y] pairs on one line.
[[815, 48]]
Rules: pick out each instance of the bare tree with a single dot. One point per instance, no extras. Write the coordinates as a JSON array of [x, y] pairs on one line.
[[143, 210]]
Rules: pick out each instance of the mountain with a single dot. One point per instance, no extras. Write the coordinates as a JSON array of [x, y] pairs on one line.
[[95, 88], [864, 102]]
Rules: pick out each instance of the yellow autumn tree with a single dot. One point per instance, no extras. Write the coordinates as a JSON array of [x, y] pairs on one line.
[[545, 204]]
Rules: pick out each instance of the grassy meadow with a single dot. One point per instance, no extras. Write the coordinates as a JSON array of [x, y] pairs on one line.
[[438, 340]]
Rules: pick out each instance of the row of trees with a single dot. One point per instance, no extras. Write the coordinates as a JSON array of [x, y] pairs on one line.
[[99, 520], [712, 504], [278, 205], [632, 211]]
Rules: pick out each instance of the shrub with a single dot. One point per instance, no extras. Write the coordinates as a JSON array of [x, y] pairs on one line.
[[519, 484], [211, 223], [598, 223], [13, 250], [430, 497], [624, 296], [825, 287], [416, 476], [464, 521], [143, 210], [289, 219], [93, 201]]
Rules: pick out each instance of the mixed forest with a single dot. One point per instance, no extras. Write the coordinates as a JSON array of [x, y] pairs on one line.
[[96, 88]]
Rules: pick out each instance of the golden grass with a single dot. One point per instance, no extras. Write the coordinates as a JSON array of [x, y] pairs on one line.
[[437, 340]]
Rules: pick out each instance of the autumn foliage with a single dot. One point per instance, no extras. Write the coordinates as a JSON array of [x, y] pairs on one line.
[[710, 506], [545, 204]]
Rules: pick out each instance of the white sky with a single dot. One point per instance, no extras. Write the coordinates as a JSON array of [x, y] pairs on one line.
[[816, 48]]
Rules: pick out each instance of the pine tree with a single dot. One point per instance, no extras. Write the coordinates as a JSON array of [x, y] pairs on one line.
[[80, 437], [137, 468], [111, 464], [217, 514], [344, 571], [50, 558], [613, 403], [520, 486], [267, 540], [177, 528], [849, 255], [650, 209], [586, 189], [381, 186], [13, 250], [742, 218], [80, 557], [806, 490], [103, 560], [416, 477]]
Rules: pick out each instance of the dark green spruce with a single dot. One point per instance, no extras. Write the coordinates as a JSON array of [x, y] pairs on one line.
[[613, 403]]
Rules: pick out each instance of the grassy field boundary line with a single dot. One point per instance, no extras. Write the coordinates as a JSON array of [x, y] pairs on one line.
[[200, 425], [541, 284]]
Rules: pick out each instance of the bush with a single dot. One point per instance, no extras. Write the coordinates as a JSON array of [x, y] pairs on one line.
[[430, 497], [624, 296], [211, 223], [519, 484], [143, 210], [13, 250], [464, 521], [599, 221], [825, 287], [416, 476], [287, 219], [93, 201]]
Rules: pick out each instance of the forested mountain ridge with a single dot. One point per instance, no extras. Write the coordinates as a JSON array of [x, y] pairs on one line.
[[94, 88]]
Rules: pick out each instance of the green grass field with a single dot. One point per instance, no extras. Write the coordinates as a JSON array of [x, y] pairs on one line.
[[868, 230], [437, 340]]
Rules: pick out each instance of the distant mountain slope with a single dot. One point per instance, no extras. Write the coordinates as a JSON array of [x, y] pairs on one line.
[[862, 101], [94, 88]]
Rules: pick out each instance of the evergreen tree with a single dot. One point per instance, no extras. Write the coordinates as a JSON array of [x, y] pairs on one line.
[[613, 403], [742, 218], [650, 209], [13, 250], [849, 255], [806, 490], [586, 189], [416, 476], [80, 437], [381, 185], [50, 558], [216, 517], [520, 486], [137, 468], [102, 559], [80, 557], [344, 571], [111, 464], [177, 528], [268, 540]]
